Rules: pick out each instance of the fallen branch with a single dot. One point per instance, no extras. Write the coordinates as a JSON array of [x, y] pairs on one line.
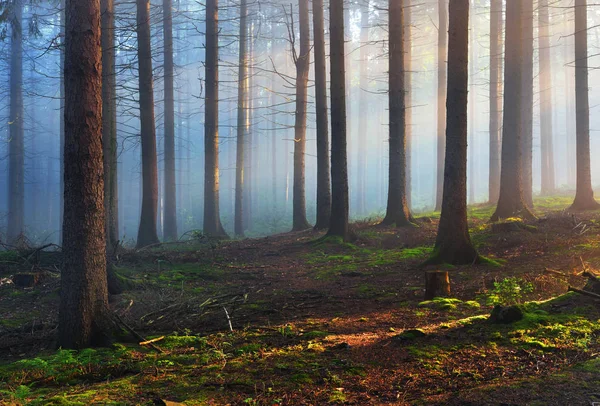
[[137, 335], [591, 276], [552, 271], [152, 341], [584, 292]]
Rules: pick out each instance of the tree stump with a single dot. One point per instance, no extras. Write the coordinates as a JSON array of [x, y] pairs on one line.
[[437, 284], [27, 280]]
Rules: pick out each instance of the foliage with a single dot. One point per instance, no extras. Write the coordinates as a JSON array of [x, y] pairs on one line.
[[509, 291]]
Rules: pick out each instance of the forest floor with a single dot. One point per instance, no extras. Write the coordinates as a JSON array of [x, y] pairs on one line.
[[297, 320]]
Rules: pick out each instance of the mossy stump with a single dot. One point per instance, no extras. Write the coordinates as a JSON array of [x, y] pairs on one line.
[[437, 284]]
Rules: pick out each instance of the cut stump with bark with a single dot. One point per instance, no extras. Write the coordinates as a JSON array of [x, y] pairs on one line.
[[437, 284]]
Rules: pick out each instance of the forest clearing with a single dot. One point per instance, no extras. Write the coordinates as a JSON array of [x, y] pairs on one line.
[[318, 321]]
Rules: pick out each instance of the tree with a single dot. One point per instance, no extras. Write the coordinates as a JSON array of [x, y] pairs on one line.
[[511, 202], [584, 194], [212, 218], [453, 243], [147, 231], [546, 114], [397, 207], [408, 96], [527, 103], [242, 121], [84, 297], [170, 188], [302, 61], [339, 155], [495, 98], [323, 166], [109, 123], [363, 118], [441, 99], [16, 149]]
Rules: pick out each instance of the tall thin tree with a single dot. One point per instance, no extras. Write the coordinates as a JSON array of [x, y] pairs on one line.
[[546, 108], [170, 188], [527, 103], [16, 148], [242, 121], [495, 98], [441, 99], [84, 296], [584, 195], [147, 233], [363, 118], [212, 217], [339, 155], [397, 207], [453, 243], [323, 165]]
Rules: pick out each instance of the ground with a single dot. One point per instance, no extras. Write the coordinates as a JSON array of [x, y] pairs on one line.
[[296, 319]]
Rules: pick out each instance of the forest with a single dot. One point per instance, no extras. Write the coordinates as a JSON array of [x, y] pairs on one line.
[[299, 202]]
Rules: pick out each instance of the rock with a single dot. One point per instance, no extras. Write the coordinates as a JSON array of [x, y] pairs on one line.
[[506, 315], [412, 334]]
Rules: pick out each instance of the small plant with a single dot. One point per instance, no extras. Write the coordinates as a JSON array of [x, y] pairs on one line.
[[286, 331], [509, 291]]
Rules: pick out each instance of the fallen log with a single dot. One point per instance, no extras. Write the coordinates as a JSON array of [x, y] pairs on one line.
[[584, 292]]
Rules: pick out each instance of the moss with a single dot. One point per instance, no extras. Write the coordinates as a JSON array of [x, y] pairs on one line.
[[311, 335]]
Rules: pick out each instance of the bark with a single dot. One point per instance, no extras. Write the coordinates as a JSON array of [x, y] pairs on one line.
[[408, 97], [441, 99], [170, 188], [495, 98], [323, 165], [84, 297], [212, 219], [61, 126], [546, 110], [147, 233], [472, 118], [397, 207], [339, 158], [511, 202], [584, 194], [453, 243], [109, 124], [361, 150], [242, 122], [16, 149], [527, 103], [302, 67]]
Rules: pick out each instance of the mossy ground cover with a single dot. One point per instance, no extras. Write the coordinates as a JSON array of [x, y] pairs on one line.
[[320, 321]]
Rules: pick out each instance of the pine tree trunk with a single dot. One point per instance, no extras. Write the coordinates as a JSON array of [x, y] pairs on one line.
[[302, 67], [242, 122], [472, 118], [441, 99], [323, 165], [584, 195], [495, 98], [527, 103], [147, 233], [61, 126], [170, 188], [109, 124], [408, 83], [453, 244], [546, 110], [397, 208], [511, 202], [363, 118], [212, 219], [339, 161], [84, 296], [16, 149]]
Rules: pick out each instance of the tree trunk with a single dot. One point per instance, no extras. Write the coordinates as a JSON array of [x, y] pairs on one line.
[[170, 188], [546, 110], [302, 67], [408, 97], [212, 219], [495, 98], [453, 244], [584, 195], [147, 232], [472, 118], [84, 296], [397, 207], [16, 149], [61, 125], [363, 118], [242, 122], [527, 103], [441, 99], [437, 284], [339, 158], [109, 124], [323, 166], [511, 202]]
